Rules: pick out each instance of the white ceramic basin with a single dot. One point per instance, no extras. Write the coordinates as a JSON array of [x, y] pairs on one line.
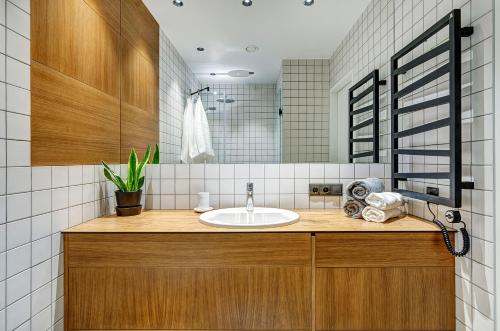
[[240, 218]]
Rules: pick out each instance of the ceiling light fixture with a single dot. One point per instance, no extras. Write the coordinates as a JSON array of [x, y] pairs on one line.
[[200, 49], [178, 3], [308, 2], [252, 48], [246, 3]]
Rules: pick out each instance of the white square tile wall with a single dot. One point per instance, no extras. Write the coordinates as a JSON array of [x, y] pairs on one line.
[[176, 80], [36, 203], [306, 110], [384, 28], [170, 186], [247, 130]]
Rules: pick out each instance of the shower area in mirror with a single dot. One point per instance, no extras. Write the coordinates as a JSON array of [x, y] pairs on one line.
[[244, 121]]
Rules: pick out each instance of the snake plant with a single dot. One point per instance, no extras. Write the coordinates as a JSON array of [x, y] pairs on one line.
[[156, 156], [134, 180]]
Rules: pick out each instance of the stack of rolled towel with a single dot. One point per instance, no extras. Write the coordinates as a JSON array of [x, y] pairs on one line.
[[382, 206], [366, 199], [357, 191]]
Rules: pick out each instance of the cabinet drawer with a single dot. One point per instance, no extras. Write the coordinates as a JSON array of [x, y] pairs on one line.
[[188, 250], [382, 249]]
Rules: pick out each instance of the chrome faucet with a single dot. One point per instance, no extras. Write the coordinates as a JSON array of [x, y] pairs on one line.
[[249, 197]]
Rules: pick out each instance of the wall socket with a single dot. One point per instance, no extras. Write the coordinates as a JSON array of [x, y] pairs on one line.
[[325, 189], [432, 191]]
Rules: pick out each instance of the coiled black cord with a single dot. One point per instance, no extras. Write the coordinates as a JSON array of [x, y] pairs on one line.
[[453, 217]]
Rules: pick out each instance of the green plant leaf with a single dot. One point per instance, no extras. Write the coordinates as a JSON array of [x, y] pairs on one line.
[[117, 180], [142, 164], [132, 169], [140, 183], [156, 155]]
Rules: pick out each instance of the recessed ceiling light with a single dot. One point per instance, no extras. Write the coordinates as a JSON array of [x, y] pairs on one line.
[[252, 48], [178, 3], [308, 2], [246, 3], [200, 49]]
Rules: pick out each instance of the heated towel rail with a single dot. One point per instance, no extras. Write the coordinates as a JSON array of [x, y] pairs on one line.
[[452, 69]]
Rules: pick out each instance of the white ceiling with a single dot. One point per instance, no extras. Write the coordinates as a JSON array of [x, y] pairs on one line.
[[282, 29]]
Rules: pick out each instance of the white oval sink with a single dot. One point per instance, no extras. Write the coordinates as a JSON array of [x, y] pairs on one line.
[[240, 218]]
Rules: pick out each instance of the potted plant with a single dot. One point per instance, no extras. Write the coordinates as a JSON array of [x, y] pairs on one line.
[[129, 193]]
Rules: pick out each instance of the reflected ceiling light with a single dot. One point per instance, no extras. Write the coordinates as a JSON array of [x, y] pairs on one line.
[[239, 73], [246, 3], [252, 48], [234, 73], [178, 3], [308, 2]]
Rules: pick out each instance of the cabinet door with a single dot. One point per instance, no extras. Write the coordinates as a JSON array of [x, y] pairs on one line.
[[370, 281], [194, 282], [399, 298]]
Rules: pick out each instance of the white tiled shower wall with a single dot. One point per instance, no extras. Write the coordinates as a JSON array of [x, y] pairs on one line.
[[36, 203], [175, 186], [176, 81], [244, 131], [383, 29], [306, 110]]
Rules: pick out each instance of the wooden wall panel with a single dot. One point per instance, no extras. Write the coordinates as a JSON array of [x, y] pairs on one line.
[[110, 46], [109, 10], [139, 84], [140, 29], [72, 38], [71, 122]]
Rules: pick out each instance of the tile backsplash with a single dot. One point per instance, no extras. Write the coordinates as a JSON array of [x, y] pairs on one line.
[[175, 186]]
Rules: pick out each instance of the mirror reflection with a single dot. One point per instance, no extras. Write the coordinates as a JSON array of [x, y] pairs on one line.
[[263, 97]]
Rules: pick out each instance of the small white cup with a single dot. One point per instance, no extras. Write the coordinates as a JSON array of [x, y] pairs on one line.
[[203, 200]]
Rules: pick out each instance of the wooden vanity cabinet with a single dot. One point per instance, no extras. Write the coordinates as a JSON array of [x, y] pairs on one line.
[[384, 281], [259, 281], [188, 281]]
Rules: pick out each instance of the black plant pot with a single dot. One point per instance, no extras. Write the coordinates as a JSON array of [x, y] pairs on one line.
[[128, 203]]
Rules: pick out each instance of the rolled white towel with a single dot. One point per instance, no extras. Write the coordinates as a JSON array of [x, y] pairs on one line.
[[384, 200], [372, 214]]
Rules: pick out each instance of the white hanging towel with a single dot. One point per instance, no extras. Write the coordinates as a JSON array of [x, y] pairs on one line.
[[187, 131], [201, 135]]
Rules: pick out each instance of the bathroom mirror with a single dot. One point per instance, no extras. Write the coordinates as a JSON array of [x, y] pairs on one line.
[[268, 97]]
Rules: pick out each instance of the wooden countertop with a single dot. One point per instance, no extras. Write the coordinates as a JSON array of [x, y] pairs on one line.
[[186, 221]]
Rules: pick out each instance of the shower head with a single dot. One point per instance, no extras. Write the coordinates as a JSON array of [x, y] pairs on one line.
[[227, 100]]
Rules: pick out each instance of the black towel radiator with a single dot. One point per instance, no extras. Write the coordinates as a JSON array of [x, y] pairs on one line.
[[453, 99], [372, 89]]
